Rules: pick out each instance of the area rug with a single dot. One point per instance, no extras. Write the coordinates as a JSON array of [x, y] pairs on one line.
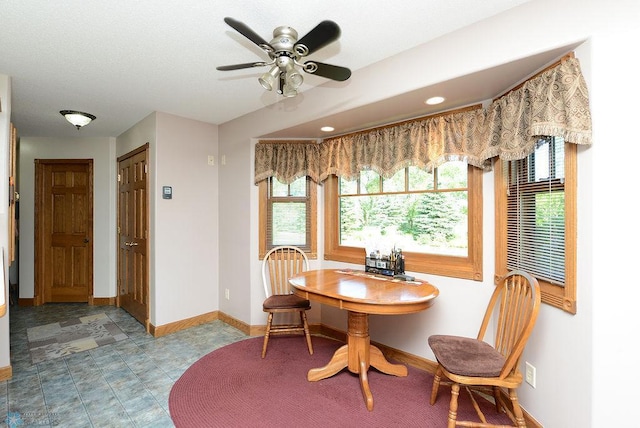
[[68, 337], [234, 387]]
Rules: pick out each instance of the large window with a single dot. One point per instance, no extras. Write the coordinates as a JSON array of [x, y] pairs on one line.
[[536, 219], [434, 217], [288, 215]]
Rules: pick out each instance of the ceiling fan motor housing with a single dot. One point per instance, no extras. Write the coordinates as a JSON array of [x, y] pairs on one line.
[[283, 40]]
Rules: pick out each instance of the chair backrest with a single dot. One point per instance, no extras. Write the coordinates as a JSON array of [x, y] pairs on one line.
[[513, 308], [280, 264]]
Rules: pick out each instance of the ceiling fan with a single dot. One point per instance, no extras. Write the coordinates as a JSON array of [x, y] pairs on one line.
[[286, 52]]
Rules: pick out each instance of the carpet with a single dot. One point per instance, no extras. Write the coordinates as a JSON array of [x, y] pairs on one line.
[[59, 339], [234, 387]]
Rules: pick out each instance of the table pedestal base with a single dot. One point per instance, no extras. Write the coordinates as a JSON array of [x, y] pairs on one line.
[[358, 355]]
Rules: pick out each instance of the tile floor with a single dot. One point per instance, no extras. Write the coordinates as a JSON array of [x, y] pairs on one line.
[[125, 384]]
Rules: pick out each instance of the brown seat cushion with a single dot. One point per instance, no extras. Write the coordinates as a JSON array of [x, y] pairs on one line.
[[466, 356], [285, 301]]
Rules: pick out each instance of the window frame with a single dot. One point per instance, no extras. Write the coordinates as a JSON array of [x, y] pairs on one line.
[[263, 209], [469, 267], [562, 297]]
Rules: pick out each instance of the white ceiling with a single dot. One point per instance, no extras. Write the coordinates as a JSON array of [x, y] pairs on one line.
[[122, 60]]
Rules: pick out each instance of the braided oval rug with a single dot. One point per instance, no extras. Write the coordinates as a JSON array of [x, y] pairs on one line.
[[234, 387]]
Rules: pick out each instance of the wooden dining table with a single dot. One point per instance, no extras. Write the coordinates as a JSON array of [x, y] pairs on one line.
[[361, 294]]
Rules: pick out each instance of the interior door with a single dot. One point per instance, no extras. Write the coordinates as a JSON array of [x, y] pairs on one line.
[[64, 230], [133, 234]]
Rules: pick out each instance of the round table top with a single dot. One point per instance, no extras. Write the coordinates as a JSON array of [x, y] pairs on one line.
[[364, 292]]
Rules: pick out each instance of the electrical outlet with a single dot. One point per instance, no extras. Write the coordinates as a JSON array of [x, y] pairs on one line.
[[211, 160], [530, 374], [226, 293]]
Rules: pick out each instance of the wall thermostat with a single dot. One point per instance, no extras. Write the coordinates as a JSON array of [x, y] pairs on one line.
[[166, 192]]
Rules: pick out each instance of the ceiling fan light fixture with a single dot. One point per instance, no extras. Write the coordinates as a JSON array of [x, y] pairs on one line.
[[289, 91], [77, 118], [268, 79], [293, 78]]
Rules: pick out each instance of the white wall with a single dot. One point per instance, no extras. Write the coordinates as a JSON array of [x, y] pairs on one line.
[[102, 151], [186, 230], [5, 137], [183, 230], [569, 351]]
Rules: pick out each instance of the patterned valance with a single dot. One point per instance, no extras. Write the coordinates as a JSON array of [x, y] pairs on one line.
[[287, 160], [424, 143], [553, 103]]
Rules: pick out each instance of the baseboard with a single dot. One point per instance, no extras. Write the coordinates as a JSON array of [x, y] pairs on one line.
[[240, 325], [102, 301], [157, 331], [93, 301], [6, 373], [26, 301]]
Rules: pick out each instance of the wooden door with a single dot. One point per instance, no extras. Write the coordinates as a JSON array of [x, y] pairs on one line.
[[133, 234], [64, 230]]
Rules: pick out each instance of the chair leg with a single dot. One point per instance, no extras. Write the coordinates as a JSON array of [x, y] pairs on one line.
[[303, 318], [517, 410], [496, 398], [436, 385], [266, 334], [453, 405]]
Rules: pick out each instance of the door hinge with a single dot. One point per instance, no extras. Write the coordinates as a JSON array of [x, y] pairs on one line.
[[118, 230], [146, 168], [119, 178]]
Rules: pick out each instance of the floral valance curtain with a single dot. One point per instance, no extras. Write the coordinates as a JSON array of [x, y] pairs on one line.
[[287, 160], [554, 103]]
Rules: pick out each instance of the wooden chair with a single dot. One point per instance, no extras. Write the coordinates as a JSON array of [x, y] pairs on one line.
[[278, 265], [476, 365]]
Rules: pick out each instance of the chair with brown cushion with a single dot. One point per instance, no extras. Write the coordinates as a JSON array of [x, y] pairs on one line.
[[476, 365], [278, 265]]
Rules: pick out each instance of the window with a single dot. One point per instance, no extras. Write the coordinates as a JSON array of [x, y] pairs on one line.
[[435, 218], [288, 215], [536, 219]]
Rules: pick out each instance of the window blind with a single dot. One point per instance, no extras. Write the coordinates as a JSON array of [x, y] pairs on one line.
[[288, 219], [536, 212]]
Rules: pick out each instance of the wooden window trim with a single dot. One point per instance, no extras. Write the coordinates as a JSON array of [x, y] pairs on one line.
[[469, 267], [557, 296], [262, 215]]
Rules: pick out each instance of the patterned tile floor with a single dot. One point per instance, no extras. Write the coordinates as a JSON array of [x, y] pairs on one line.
[[125, 384]]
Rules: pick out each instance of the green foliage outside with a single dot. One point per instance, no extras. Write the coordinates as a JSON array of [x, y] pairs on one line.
[[427, 221]]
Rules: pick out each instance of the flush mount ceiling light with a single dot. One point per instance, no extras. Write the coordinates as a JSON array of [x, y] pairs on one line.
[[327, 129], [77, 118], [434, 100], [285, 52]]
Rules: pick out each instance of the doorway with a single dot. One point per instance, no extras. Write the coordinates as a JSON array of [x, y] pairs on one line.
[[133, 234], [63, 230]]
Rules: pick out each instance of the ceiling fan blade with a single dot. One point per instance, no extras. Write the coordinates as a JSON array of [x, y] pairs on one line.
[[248, 33], [323, 34], [329, 71], [240, 66]]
